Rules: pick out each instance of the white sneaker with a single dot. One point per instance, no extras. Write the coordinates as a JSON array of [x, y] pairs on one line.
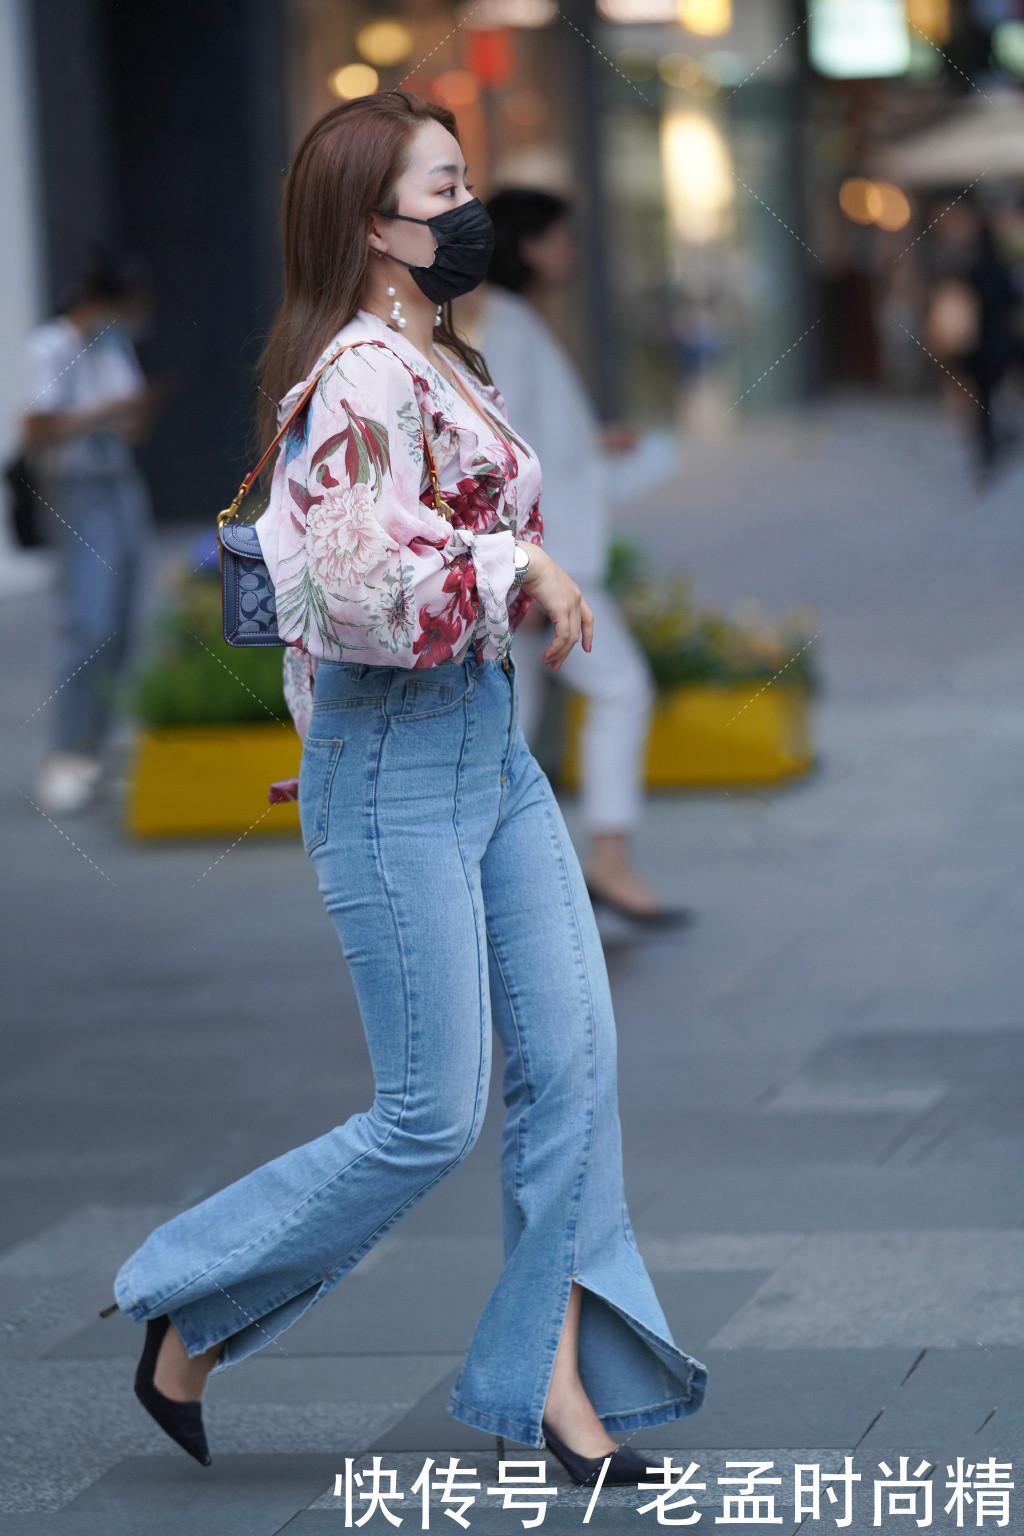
[[66, 782]]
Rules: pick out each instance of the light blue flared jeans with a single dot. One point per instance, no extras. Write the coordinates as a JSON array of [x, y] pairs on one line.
[[447, 869]]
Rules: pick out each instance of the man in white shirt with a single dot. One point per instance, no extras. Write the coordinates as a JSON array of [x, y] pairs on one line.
[[84, 403]]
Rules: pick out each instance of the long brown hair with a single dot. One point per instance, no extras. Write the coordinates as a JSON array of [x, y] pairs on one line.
[[345, 167]]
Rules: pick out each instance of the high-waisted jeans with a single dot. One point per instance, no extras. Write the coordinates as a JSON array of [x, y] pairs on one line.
[[459, 901]]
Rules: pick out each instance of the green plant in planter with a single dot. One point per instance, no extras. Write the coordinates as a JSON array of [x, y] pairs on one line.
[[687, 644], [192, 676]]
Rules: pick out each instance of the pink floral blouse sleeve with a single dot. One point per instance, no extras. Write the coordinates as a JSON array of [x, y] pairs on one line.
[[365, 568]]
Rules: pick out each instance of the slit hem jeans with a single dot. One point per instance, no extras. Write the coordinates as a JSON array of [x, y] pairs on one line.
[[447, 869]]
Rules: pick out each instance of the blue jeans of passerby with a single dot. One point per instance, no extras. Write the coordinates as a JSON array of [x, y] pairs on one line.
[[100, 525], [445, 864]]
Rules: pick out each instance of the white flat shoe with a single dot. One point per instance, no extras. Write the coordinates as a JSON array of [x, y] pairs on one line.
[[66, 782]]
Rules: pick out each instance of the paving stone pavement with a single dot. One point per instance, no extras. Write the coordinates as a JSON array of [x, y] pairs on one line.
[[821, 1082]]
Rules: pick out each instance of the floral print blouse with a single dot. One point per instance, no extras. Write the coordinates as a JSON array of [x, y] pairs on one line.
[[365, 568]]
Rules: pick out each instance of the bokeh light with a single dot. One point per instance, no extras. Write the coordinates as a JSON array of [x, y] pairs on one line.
[[384, 42], [930, 17], [1008, 46], [708, 18], [888, 206], [353, 80], [874, 202], [853, 199], [697, 175], [679, 69], [457, 87]]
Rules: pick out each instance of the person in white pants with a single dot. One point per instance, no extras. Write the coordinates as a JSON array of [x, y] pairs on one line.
[[534, 255]]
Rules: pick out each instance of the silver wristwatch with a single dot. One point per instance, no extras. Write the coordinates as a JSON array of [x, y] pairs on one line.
[[522, 562]]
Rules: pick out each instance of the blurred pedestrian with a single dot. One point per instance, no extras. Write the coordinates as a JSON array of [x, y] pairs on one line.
[[534, 260], [85, 403], [991, 279], [969, 320]]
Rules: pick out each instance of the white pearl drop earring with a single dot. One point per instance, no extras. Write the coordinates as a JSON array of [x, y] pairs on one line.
[[396, 308], [437, 317]]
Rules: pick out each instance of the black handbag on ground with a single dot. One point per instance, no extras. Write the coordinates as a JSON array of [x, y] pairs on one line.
[[249, 606]]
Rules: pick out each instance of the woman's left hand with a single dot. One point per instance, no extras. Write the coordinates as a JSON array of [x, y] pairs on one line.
[[564, 604]]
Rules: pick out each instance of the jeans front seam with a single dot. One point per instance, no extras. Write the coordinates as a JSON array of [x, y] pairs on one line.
[[517, 1160], [481, 950], [585, 977], [582, 1176], [410, 1072], [410, 1056]]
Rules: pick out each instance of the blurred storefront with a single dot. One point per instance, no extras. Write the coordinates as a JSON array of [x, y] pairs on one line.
[[520, 76], [672, 125], [713, 277], [914, 127], [740, 236]]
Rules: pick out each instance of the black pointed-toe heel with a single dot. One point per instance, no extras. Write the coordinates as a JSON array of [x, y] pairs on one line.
[[624, 1464], [182, 1421], [106, 1311]]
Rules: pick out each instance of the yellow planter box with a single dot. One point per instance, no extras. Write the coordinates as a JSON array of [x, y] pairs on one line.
[[212, 781], [705, 735]]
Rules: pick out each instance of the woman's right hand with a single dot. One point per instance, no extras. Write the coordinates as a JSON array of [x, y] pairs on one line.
[[562, 601]]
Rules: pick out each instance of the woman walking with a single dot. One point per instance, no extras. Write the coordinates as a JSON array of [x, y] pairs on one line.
[[438, 844], [535, 258]]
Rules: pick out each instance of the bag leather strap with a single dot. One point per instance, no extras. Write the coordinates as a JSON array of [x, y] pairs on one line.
[[231, 512]]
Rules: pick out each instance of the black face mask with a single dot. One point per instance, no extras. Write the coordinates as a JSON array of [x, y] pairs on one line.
[[465, 240]]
